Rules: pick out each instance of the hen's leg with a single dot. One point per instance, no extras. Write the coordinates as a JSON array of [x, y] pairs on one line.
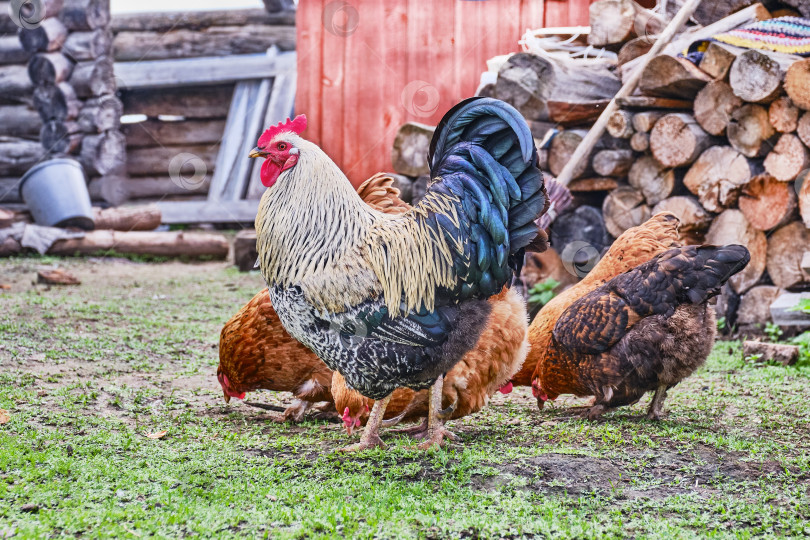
[[296, 411], [371, 436], [594, 412], [436, 431], [657, 403]]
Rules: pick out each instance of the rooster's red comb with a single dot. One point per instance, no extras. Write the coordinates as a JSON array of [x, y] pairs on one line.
[[297, 125]]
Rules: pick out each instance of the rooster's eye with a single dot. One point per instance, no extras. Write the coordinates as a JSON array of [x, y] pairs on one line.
[[282, 146]]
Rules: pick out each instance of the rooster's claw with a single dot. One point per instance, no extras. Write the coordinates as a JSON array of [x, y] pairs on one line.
[[437, 438]]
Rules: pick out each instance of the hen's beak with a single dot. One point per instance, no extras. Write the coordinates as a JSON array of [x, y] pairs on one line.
[[227, 397], [257, 152]]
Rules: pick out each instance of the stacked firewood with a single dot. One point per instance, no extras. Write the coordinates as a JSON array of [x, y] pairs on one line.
[[74, 86], [722, 143]]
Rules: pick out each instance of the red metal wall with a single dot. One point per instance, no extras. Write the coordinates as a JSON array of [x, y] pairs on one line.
[[367, 66]]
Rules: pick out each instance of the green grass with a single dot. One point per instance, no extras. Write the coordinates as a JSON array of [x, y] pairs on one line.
[[87, 372]]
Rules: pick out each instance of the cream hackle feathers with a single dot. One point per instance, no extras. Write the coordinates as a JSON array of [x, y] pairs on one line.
[[314, 231]]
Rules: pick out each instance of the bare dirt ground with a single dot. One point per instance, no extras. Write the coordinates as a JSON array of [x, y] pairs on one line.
[[88, 371]]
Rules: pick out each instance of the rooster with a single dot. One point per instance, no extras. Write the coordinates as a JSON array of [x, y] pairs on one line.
[[396, 301], [255, 352], [644, 330], [500, 351]]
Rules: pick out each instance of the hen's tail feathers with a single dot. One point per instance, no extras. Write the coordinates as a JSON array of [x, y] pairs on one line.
[[696, 273], [686, 275], [559, 198], [381, 193]]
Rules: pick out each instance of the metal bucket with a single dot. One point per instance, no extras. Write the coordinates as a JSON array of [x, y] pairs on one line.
[[56, 194]]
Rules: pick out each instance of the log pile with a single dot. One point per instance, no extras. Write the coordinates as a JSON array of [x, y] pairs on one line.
[[19, 122], [59, 95], [720, 139], [70, 88]]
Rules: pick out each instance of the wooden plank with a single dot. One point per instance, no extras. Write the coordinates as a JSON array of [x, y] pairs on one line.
[[648, 102], [158, 132], [333, 42], [174, 20], [310, 61], [243, 211], [240, 174], [214, 41], [232, 139], [156, 160], [366, 72], [193, 71], [202, 102]]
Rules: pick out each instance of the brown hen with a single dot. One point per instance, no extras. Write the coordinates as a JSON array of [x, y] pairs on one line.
[[644, 330], [633, 247]]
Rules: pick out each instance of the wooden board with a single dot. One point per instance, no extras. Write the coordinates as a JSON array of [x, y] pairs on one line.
[[235, 142], [243, 211], [649, 102], [199, 71], [366, 72]]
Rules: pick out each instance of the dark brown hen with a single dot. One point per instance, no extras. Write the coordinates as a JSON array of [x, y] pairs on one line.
[[646, 329]]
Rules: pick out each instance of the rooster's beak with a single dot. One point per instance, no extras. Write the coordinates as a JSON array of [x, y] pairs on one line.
[[257, 152]]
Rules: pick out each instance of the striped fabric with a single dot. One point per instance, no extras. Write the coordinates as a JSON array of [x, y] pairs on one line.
[[790, 35]]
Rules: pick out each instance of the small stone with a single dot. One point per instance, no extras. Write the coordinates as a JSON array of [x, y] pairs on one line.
[[30, 508]]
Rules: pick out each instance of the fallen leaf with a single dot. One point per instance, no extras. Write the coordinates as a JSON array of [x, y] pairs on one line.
[[157, 434], [5, 286], [57, 276], [4, 417]]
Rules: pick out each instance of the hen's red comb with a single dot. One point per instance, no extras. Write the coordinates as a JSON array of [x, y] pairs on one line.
[[296, 125]]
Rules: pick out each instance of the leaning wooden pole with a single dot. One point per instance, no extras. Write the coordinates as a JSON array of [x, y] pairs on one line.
[[585, 147]]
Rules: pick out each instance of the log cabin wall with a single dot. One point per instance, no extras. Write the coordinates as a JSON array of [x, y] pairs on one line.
[[365, 67], [19, 122], [185, 119]]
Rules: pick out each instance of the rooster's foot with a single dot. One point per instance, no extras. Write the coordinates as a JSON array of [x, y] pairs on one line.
[[365, 444], [437, 438]]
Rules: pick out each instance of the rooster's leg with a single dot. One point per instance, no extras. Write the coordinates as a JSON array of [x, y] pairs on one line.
[[657, 403], [371, 435], [436, 431]]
